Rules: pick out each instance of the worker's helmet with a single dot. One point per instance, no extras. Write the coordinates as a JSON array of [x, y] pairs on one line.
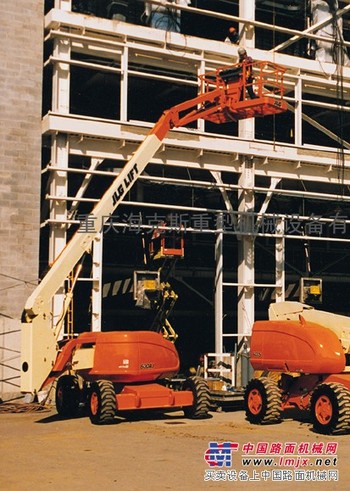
[[241, 51], [232, 30]]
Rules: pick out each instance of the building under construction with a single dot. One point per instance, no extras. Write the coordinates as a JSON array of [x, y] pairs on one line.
[[258, 205]]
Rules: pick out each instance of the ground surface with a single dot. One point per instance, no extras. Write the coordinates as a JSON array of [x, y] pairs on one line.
[[167, 452]]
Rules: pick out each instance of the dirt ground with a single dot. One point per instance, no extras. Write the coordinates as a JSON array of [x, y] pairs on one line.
[[157, 452]]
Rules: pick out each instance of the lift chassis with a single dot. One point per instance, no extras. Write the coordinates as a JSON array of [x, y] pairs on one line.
[[129, 370]]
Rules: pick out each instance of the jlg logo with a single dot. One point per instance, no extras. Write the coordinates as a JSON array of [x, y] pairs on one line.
[[144, 366], [124, 187]]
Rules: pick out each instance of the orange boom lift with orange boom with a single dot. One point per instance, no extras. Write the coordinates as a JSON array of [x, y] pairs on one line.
[[115, 371]]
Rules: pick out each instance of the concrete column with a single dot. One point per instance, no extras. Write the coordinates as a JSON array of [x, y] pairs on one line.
[[245, 273], [59, 158], [58, 212], [247, 11]]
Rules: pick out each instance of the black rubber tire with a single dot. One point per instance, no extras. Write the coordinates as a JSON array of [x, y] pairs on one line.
[[262, 401], [102, 402], [68, 396], [330, 409], [201, 398]]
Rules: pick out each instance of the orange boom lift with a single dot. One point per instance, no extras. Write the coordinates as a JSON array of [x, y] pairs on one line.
[[115, 371]]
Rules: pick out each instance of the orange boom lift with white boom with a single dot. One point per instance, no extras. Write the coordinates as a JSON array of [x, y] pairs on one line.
[[114, 371]]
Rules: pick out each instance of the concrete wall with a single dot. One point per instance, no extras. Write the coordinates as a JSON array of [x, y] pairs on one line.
[[21, 47]]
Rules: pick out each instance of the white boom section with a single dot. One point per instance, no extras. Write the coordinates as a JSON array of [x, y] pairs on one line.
[[340, 324], [39, 340]]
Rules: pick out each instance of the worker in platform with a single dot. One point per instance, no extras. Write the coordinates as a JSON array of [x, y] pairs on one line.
[[247, 71]]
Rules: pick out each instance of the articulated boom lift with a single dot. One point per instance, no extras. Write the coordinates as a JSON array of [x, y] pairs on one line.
[[126, 370]]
